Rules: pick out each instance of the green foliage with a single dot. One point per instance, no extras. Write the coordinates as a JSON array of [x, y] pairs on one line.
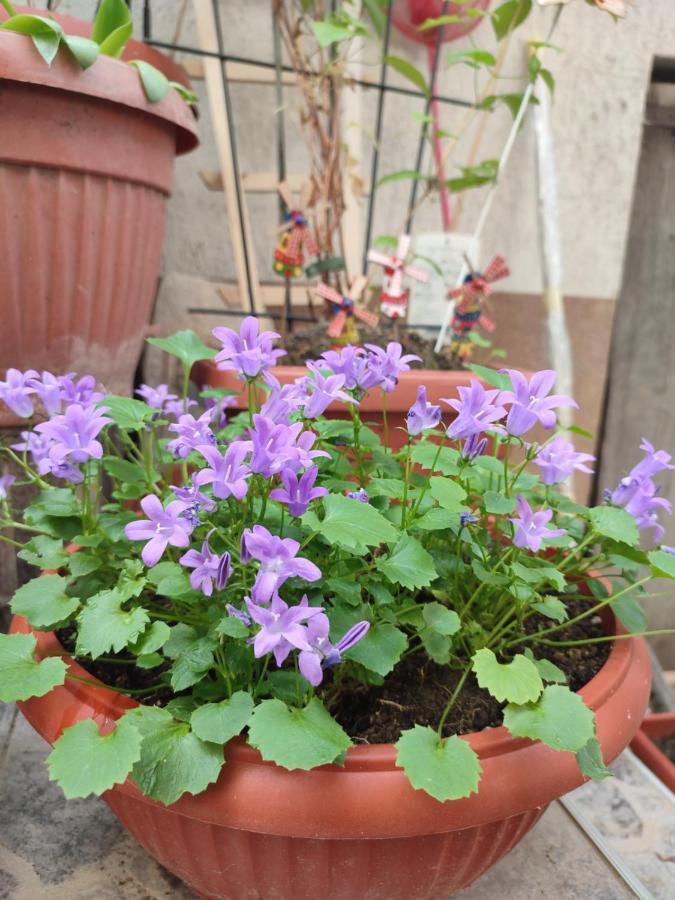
[[186, 346], [45, 552], [380, 649], [21, 675], [509, 16], [127, 414], [354, 525], [447, 769], [516, 682], [409, 564], [441, 619], [155, 84], [296, 738], [405, 68], [590, 760], [614, 523], [112, 17], [45, 33], [85, 51], [559, 718], [105, 625], [84, 762], [662, 564], [44, 601], [449, 494], [219, 722]]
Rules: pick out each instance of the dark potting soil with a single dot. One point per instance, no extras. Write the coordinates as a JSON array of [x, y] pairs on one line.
[[416, 691], [311, 342], [667, 746]]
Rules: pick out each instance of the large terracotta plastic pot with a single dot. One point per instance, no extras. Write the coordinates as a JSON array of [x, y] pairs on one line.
[[338, 833], [439, 384], [655, 726], [86, 166]]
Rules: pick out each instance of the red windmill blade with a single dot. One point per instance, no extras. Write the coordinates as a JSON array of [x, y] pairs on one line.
[[478, 284], [347, 306]]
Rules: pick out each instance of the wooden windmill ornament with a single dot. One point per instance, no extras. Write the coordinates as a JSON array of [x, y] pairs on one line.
[[468, 312], [296, 240], [346, 310], [394, 297]]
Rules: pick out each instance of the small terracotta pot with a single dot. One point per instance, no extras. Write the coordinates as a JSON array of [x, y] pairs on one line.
[[656, 725], [355, 831], [86, 166], [439, 385]]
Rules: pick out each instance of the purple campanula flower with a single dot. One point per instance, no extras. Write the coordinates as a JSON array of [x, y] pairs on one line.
[[322, 391], [304, 455], [156, 397], [284, 400], [558, 459], [228, 474], [466, 518], [192, 433], [50, 392], [530, 402], [249, 353], [224, 571], [477, 411], [217, 406], [17, 390], [73, 434], [390, 363], [655, 461], [193, 498], [82, 391], [278, 447], [60, 469], [637, 493], [321, 653], [206, 566], [178, 407], [6, 481], [238, 614], [668, 549], [361, 495], [161, 528], [36, 444], [278, 562], [280, 629], [296, 493], [474, 446], [530, 530], [422, 415]]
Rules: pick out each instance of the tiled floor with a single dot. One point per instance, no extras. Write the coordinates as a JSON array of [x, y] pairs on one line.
[[51, 849]]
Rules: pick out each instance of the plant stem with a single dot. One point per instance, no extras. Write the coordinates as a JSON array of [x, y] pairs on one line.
[[109, 687], [384, 419], [611, 637], [451, 701], [8, 7]]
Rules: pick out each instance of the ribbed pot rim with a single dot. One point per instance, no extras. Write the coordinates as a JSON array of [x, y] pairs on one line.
[[107, 79]]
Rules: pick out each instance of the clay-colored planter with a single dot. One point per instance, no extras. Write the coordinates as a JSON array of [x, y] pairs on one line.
[[439, 385], [86, 166], [338, 833], [654, 726]]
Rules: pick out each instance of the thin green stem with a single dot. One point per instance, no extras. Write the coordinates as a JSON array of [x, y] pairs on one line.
[[611, 637], [451, 701], [8, 7], [385, 423], [109, 687]]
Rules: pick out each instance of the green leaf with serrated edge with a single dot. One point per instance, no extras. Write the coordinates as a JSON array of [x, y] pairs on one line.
[[84, 762], [517, 681], [614, 523], [44, 602], [185, 346], [111, 15], [385, 487], [154, 637], [126, 413], [345, 588], [509, 16], [296, 738], [150, 660], [45, 552], [447, 769], [124, 470], [560, 718], [83, 563], [182, 638], [192, 664], [662, 563], [21, 675], [552, 608], [424, 455], [380, 649], [437, 646], [448, 493], [85, 51], [409, 564], [590, 761], [441, 619], [232, 627], [497, 379], [548, 670], [405, 68], [498, 504], [354, 525], [155, 83], [437, 519], [220, 722], [57, 502], [630, 613], [173, 761], [181, 708], [105, 625], [536, 574]]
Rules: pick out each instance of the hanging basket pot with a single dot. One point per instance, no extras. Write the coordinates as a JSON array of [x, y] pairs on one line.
[[408, 15]]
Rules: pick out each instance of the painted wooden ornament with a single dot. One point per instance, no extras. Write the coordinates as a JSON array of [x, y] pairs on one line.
[[346, 310], [394, 297]]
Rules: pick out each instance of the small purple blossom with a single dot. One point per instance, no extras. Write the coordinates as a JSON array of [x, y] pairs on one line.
[[227, 473], [235, 613], [156, 397], [321, 653], [530, 402], [390, 363], [474, 446], [477, 411], [6, 481], [530, 530], [361, 495], [637, 493], [224, 571], [17, 390], [668, 549], [49, 389], [249, 353], [467, 518], [280, 629], [277, 447], [205, 564], [284, 400], [82, 391], [192, 433], [558, 459], [278, 562], [217, 406], [193, 498], [60, 469], [422, 415], [359, 368], [322, 391], [161, 528], [35, 444], [73, 434], [297, 493], [178, 407]]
